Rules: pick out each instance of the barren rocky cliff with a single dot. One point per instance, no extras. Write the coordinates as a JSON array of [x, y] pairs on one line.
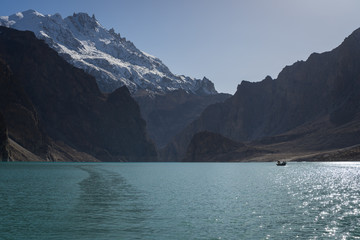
[[313, 105]]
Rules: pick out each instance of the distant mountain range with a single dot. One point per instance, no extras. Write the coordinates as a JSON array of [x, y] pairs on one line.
[[313, 106], [104, 54]]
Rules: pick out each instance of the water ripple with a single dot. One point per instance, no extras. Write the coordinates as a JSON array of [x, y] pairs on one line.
[[180, 201]]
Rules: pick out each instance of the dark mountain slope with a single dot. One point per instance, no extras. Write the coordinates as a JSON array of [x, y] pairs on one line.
[[4, 151], [168, 114], [325, 88], [64, 106], [20, 116], [213, 147]]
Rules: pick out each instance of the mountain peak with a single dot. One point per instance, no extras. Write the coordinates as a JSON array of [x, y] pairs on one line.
[[30, 12], [83, 21], [112, 60], [84, 18]]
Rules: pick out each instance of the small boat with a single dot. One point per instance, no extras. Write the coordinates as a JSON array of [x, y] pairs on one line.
[[282, 163]]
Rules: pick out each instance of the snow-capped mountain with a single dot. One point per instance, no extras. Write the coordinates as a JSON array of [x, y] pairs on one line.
[[111, 59]]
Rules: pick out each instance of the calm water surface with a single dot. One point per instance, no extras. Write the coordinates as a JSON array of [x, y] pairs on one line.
[[179, 201]]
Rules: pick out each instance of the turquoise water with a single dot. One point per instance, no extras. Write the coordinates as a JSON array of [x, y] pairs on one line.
[[179, 201]]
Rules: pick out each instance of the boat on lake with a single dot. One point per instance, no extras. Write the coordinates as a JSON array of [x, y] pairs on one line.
[[280, 163]]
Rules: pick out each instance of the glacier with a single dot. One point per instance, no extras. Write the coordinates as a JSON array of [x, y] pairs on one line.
[[114, 61]]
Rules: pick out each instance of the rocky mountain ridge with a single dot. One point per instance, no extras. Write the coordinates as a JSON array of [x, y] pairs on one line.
[[312, 105], [104, 54]]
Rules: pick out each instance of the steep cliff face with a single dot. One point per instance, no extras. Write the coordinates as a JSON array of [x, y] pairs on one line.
[[64, 106], [20, 116], [325, 88]]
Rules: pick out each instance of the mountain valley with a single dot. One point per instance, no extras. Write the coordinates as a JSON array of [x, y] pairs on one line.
[[93, 96]]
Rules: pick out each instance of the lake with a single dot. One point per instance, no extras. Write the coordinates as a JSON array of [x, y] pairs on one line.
[[179, 201]]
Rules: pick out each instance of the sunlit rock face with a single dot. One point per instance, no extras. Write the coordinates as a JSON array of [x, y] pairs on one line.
[[110, 58]]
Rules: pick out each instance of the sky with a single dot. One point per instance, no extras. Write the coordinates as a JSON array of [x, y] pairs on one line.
[[226, 41]]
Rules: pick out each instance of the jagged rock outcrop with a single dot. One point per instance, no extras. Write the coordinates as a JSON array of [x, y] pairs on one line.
[[53, 109], [322, 92]]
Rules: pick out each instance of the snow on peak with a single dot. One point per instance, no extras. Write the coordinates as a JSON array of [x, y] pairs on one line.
[[28, 13], [111, 59], [19, 15]]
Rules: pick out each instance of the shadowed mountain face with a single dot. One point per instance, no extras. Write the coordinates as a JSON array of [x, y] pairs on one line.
[[206, 145], [317, 100], [48, 104], [20, 116], [168, 114], [213, 147], [4, 154]]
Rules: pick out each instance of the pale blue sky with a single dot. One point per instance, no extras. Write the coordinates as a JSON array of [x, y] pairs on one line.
[[225, 40]]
